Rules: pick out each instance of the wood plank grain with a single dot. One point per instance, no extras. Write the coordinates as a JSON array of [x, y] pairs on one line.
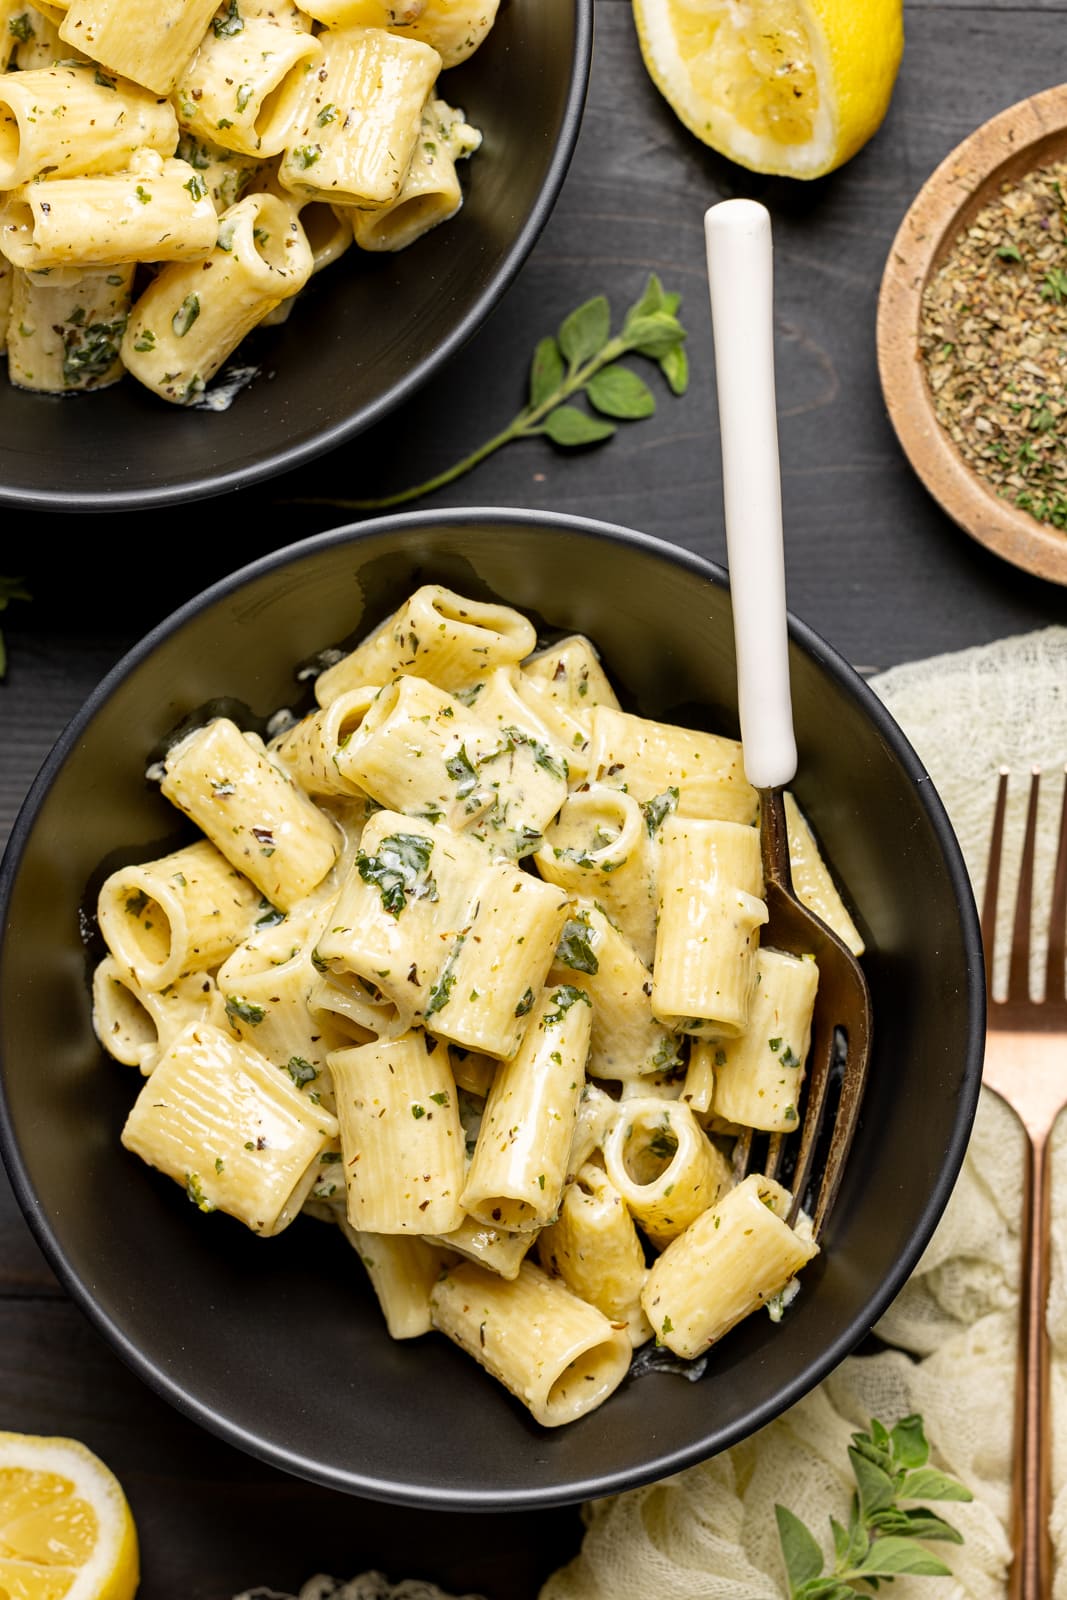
[[874, 566]]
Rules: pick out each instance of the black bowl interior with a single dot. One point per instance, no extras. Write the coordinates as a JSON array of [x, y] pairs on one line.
[[277, 1345], [364, 333]]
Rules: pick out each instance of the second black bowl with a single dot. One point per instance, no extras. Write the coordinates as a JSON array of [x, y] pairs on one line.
[[278, 1345], [364, 334]]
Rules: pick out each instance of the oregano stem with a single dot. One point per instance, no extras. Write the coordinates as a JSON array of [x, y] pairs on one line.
[[526, 425]]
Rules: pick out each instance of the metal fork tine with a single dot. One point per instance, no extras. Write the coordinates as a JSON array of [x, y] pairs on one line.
[[775, 1151], [1057, 926], [992, 879], [742, 1154], [822, 1053], [1019, 964]]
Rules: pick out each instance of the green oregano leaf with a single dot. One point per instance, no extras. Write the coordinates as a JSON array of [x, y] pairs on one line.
[[585, 331], [928, 1484], [675, 368], [887, 1558], [569, 427], [546, 371], [654, 336], [908, 1443], [615, 391], [800, 1551]]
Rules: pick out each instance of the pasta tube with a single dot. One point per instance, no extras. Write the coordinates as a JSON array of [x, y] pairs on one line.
[[594, 1248], [664, 1166], [328, 230], [732, 1260], [355, 1007], [596, 1117], [136, 1025], [400, 1136], [492, 1248], [526, 774], [312, 748], [812, 882], [65, 327], [451, 938], [182, 913], [651, 759], [266, 986], [485, 991], [710, 913], [402, 1272], [233, 1130], [559, 1356], [243, 87], [437, 634], [758, 1076], [520, 1161], [628, 1043], [406, 900], [148, 41], [259, 820], [455, 28], [415, 749], [156, 211], [599, 849], [570, 672], [430, 192], [186, 324], [354, 136], [70, 119]]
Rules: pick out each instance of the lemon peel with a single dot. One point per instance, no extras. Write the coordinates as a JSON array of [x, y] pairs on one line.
[[66, 1529], [790, 87]]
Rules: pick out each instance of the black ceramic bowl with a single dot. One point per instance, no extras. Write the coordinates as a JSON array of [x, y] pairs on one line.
[[277, 1345], [366, 332]]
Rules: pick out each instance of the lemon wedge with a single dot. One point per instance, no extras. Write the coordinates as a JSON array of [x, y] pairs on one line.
[[792, 87], [66, 1532]]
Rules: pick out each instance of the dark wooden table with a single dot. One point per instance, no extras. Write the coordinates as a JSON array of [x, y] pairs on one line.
[[873, 565]]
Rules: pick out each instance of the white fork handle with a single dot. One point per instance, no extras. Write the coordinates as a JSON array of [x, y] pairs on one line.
[[740, 277]]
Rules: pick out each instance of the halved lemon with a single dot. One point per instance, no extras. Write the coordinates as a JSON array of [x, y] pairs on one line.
[[792, 87], [66, 1531]]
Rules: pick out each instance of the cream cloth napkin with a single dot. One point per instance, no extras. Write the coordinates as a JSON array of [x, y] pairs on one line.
[[709, 1533]]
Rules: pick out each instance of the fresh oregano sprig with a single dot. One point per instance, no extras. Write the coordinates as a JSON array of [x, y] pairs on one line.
[[583, 358], [880, 1542], [10, 589]]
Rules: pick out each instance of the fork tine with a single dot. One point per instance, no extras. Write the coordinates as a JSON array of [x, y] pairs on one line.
[[992, 878], [1057, 924], [822, 1055], [1019, 964]]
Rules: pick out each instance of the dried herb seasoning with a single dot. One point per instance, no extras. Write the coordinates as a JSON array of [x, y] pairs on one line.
[[994, 342]]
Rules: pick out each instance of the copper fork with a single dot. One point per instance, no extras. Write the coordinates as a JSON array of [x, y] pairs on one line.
[[1026, 1065]]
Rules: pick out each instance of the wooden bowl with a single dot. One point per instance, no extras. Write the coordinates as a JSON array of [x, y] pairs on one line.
[[1026, 135]]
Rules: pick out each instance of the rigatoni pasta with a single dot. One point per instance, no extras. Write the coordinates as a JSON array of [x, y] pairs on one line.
[[498, 1017], [134, 134]]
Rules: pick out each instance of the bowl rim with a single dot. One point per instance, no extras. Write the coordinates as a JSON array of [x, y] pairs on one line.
[[207, 485], [955, 190], [665, 1462]]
